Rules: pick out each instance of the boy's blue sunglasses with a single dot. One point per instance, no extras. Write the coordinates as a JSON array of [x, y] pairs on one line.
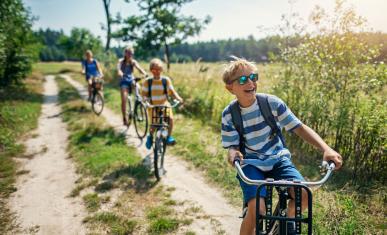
[[244, 78]]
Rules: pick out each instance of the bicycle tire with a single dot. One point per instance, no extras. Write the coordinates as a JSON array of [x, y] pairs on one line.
[[159, 152], [140, 119], [129, 111], [97, 103]]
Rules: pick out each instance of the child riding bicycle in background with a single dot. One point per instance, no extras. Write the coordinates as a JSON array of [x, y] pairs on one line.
[[125, 67], [92, 70], [157, 90], [264, 153]]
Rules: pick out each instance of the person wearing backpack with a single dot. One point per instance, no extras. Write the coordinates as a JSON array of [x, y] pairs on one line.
[[251, 131], [125, 67], [91, 69], [157, 89]]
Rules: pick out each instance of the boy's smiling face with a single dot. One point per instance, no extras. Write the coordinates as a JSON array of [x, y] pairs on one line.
[[245, 93], [156, 71]]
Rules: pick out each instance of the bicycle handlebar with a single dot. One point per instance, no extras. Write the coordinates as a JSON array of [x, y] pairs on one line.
[[328, 166], [175, 104]]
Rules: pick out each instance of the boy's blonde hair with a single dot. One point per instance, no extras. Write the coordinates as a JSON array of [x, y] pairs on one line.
[[234, 66], [156, 62]]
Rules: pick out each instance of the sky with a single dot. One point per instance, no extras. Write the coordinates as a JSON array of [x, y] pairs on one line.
[[230, 18]]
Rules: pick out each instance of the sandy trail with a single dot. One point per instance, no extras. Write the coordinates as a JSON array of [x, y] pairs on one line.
[[189, 185], [41, 201]]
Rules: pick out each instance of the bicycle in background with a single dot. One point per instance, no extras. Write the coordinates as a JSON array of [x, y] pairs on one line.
[[275, 222], [138, 113], [160, 123], [97, 100]]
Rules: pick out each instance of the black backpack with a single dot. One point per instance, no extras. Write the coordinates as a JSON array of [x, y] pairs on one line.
[[264, 107], [163, 81]]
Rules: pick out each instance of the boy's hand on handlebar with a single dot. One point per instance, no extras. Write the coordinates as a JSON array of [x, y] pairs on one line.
[[332, 155], [233, 154]]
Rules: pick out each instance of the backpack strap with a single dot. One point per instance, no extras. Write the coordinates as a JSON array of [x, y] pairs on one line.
[[150, 89], [264, 106], [236, 118], [164, 82]]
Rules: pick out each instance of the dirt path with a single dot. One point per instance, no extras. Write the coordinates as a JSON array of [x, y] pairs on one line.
[[41, 201], [189, 185]]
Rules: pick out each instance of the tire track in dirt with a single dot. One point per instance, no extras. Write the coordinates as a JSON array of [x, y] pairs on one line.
[[42, 201], [189, 185]]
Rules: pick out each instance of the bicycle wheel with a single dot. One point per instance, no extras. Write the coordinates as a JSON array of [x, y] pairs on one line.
[[140, 119], [129, 110], [159, 152], [97, 103]]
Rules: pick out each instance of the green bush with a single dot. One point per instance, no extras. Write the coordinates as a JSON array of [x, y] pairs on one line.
[[331, 83], [17, 43]]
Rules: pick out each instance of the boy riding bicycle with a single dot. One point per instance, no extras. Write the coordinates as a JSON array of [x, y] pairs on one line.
[[92, 70], [264, 152], [157, 90]]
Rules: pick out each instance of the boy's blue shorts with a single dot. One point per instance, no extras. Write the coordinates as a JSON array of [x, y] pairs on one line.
[[282, 170]]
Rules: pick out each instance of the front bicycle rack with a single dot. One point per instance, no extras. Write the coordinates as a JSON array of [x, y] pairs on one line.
[[160, 115], [270, 218]]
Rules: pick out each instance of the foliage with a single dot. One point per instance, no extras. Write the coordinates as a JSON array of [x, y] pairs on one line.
[[331, 82], [51, 49], [161, 25], [79, 41], [17, 44]]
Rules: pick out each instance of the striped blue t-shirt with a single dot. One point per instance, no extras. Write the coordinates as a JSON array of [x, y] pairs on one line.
[[262, 150]]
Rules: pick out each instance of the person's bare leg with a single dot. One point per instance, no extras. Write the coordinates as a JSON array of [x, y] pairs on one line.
[[89, 88], [170, 128], [124, 94], [248, 223]]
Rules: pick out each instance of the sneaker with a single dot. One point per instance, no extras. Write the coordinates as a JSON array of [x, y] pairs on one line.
[[171, 140], [149, 142]]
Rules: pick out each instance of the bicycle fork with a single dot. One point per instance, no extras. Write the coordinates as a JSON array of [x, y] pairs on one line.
[[281, 215]]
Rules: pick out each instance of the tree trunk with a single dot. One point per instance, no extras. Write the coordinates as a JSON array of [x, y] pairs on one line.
[[106, 4], [167, 55]]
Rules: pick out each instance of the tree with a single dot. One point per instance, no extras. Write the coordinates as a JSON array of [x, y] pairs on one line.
[[17, 42], [161, 25], [106, 4], [79, 41]]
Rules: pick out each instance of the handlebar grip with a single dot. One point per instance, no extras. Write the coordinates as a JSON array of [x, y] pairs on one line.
[[331, 164], [237, 159]]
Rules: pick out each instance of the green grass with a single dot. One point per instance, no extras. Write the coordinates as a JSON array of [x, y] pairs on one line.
[[116, 224], [162, 220], [57, 67], [92, 202], [19, 111]]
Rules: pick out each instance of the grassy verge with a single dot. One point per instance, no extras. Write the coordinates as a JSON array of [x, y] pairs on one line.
[[119, 192], [19, 111]]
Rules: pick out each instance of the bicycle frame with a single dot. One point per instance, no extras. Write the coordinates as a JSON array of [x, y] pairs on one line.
[[161, 125], [282, 187]]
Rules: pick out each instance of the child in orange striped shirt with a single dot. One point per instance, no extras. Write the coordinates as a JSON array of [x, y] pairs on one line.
[[156, 90]]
